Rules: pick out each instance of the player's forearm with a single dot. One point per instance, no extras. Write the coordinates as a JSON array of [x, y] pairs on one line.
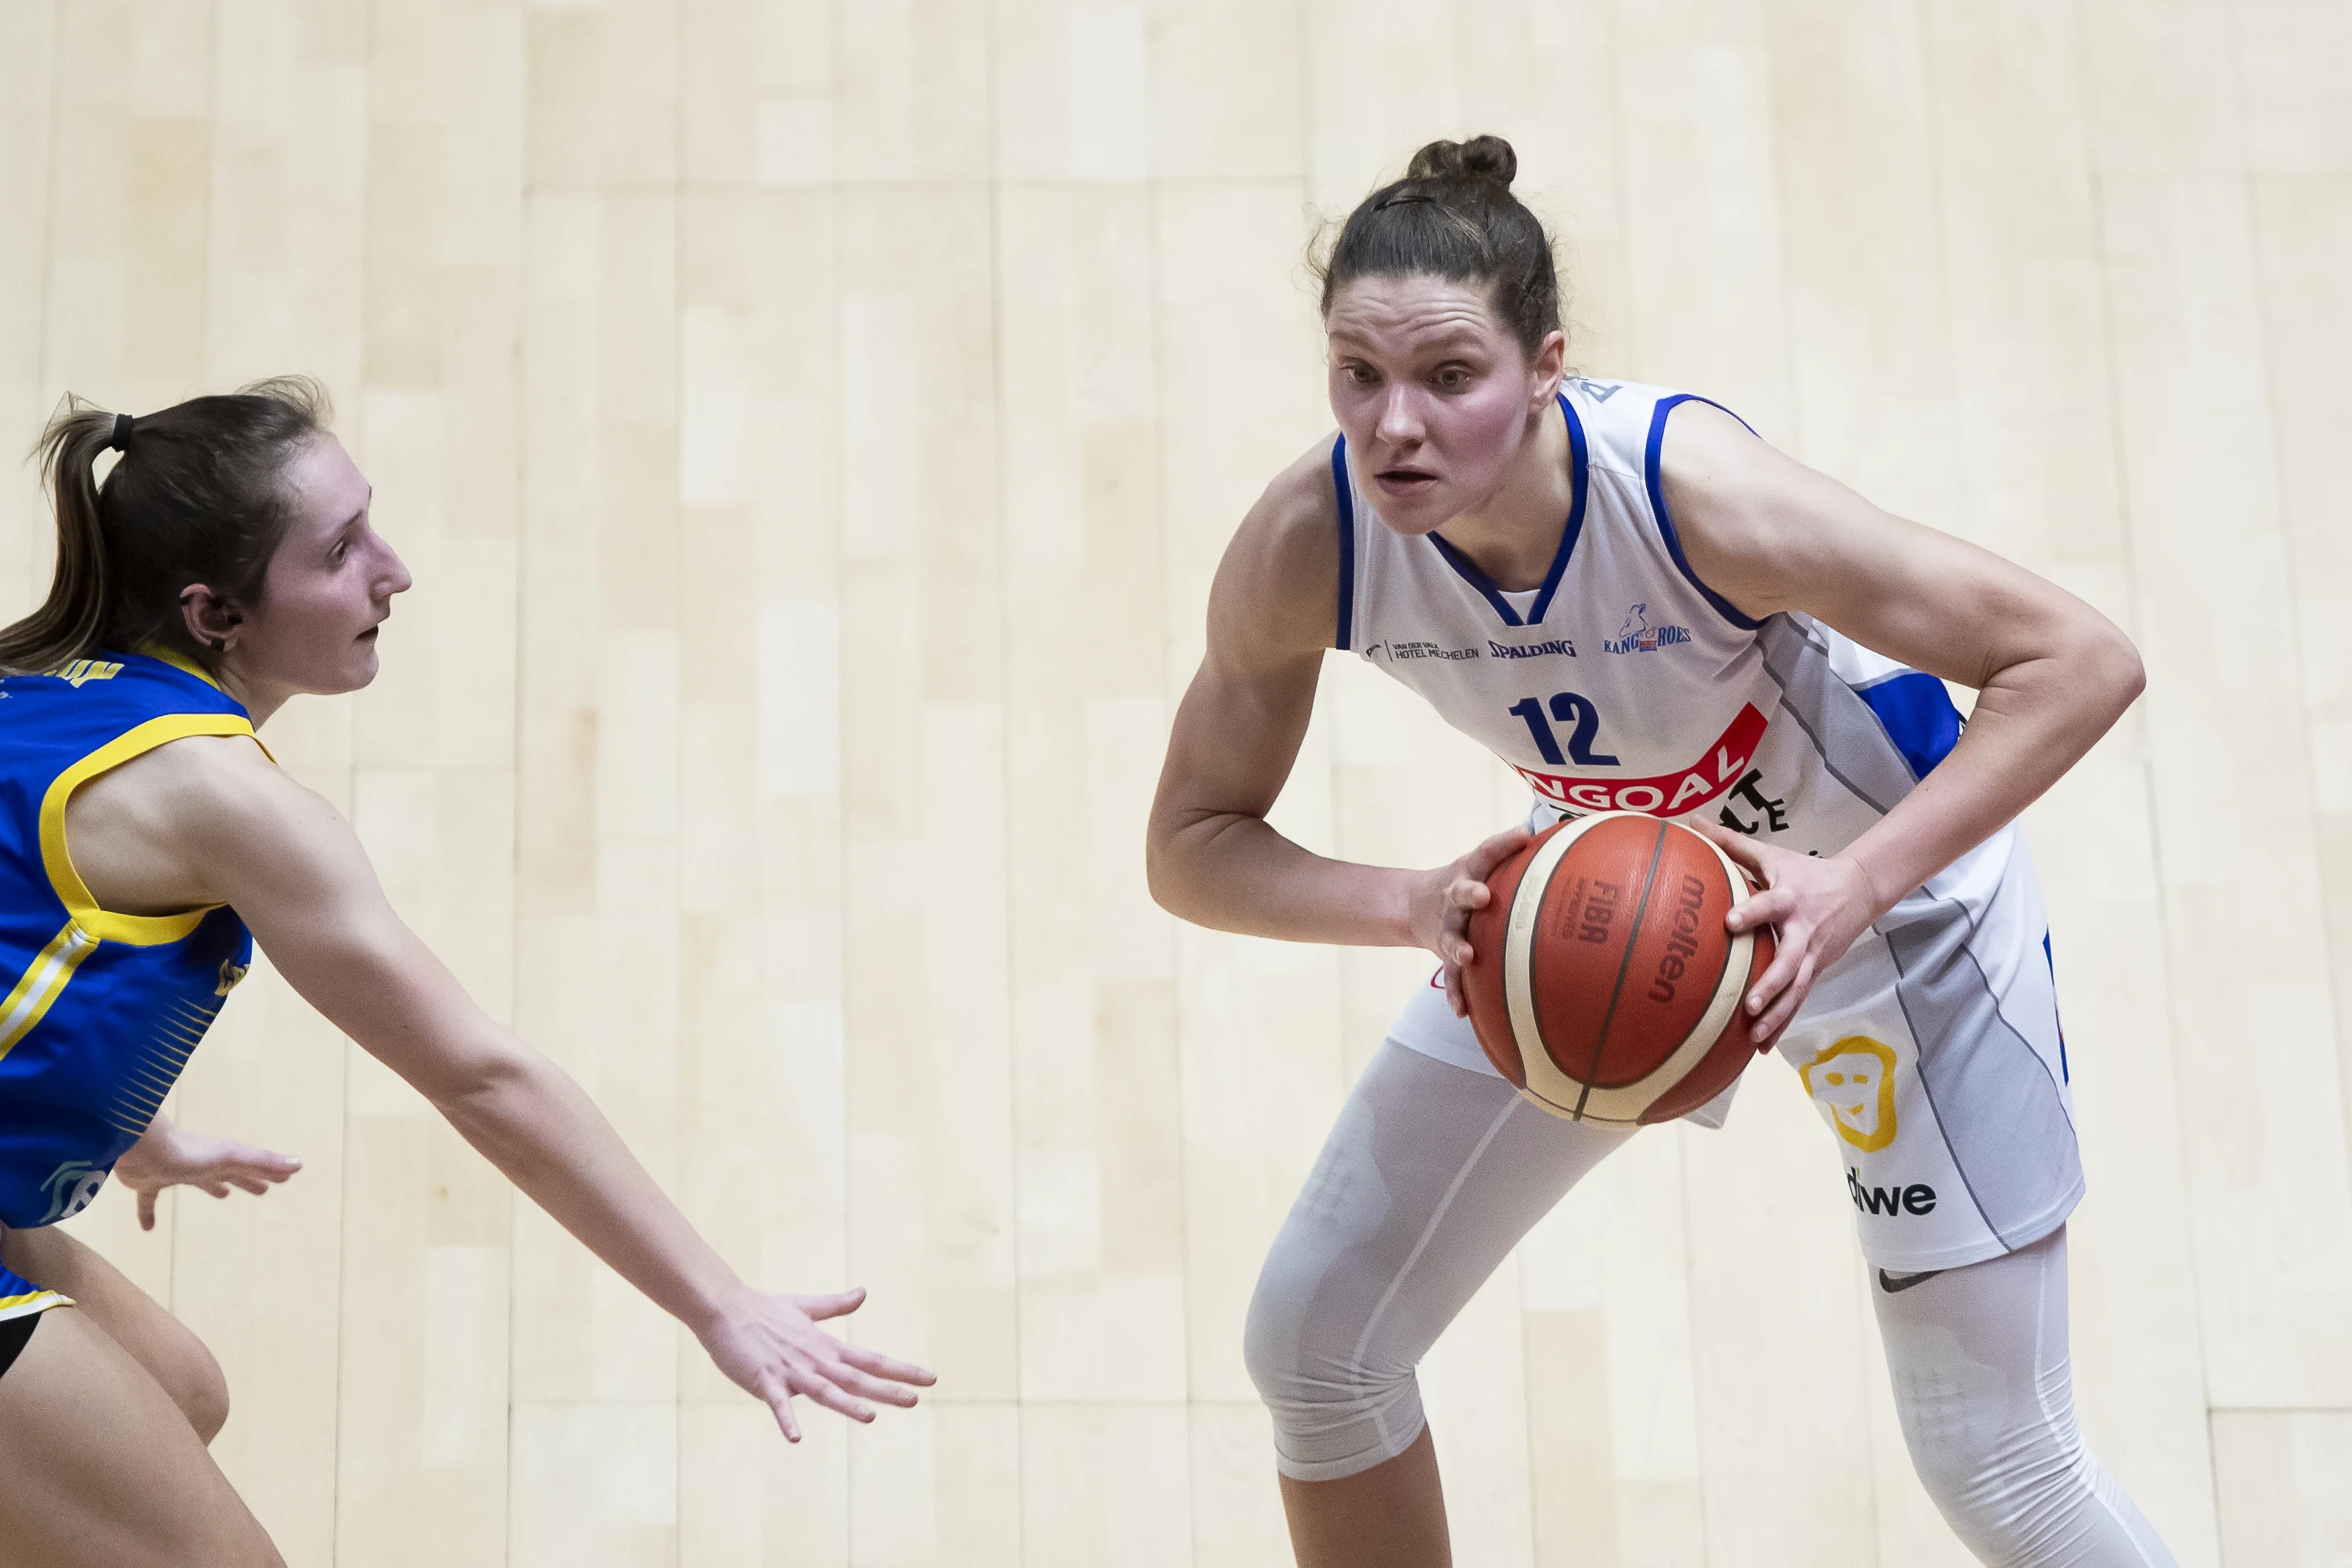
[[2033, 721], [528, 1118], [1232, 872]]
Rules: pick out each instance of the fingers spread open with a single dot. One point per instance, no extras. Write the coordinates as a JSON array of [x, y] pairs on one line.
[[1496, 849], [1782, 970], [882, 1365], [1739, 846], [1767, 908], [1784, 1009], [820, 1387], [860, 1383]]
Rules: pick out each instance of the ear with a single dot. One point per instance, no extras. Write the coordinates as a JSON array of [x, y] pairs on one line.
[[1545, 368], [210, 620]]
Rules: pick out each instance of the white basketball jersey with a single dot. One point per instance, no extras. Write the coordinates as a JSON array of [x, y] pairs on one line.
[[1624, 683], [1932, 1049]]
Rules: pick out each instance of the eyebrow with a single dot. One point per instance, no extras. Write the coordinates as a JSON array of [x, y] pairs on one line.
[[1444, 339]]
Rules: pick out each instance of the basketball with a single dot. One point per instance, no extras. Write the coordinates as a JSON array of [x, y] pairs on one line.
[[1602, 980]]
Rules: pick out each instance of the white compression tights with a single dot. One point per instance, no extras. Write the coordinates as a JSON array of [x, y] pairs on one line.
[[1431, 1176]]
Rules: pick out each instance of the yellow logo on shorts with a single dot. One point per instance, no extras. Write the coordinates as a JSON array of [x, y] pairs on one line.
[[1853, 1083]]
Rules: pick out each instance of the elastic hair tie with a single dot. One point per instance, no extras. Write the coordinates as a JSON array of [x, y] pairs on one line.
[[1399, 198], [122, 441]]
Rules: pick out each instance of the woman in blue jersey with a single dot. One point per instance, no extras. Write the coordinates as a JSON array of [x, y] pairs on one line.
[[1640, 605], [228, 563]]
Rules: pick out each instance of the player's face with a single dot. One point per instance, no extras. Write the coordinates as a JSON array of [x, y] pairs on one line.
[[1435, 394], [327, 588]]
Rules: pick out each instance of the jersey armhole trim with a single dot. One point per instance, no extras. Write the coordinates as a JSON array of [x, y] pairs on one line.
[[103, 925], [1655, 482], [1579, 473], [1347, 544]]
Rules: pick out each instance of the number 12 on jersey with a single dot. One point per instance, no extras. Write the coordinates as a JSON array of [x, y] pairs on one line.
[[1567, 708]]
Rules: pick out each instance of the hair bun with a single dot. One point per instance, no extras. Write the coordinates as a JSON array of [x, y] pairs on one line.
[[1481, 161]]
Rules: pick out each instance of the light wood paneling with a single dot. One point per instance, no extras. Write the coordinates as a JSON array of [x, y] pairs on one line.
[[2280, 1474], [813, 428]]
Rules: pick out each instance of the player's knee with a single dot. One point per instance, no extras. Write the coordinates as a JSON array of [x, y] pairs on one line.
[[197, 1386], [2010, 1497], [1337, 1410]]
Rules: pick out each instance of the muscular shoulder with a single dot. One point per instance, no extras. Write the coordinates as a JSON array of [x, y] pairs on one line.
[[1758, 527], [144, 836], [1277, 594]]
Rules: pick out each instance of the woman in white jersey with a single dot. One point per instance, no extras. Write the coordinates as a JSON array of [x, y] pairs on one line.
[[1640, 605]]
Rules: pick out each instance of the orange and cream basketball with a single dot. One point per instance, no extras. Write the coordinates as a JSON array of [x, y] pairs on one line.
[[1602, 982]]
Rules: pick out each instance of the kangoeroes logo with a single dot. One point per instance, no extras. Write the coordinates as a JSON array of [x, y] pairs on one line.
[[71, 1187], [1853, 1083], [1638, 636]]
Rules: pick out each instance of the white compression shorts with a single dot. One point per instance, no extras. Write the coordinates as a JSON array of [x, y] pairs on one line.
[[1433, 1173]]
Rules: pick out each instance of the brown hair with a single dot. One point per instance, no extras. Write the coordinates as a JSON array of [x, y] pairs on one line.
[[198, 495], [1452, 216]]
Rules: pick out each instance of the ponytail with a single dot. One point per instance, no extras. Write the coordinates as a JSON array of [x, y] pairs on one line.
[[68, 621], [198, 495]]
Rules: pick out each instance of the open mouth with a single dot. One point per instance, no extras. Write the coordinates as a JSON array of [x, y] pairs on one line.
[[1404, 481]]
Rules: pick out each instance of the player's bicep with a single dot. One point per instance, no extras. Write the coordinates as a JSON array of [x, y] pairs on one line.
[[298, 876], [1769, 535]]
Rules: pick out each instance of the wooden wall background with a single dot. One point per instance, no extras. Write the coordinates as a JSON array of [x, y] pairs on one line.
[[813, 424]]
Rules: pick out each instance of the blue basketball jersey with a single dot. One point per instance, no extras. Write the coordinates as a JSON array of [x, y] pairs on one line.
[[100, 1010]]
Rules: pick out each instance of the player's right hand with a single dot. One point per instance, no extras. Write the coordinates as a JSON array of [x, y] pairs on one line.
[[1441, 908], [771, 1347], [170, 1155]]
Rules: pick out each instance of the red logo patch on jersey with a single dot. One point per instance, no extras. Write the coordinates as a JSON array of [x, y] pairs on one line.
[[1667, 794]]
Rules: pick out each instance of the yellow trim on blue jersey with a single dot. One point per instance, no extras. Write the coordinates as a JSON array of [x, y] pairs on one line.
[[42, 982], [181, 661], [37, 1301], [139, 930]]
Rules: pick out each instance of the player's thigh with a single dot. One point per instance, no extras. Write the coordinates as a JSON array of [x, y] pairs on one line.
[[102, 1469], [170, 1351], [1430, 1176]]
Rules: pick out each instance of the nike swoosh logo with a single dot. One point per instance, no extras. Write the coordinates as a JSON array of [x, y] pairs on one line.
[[1892, 1286]]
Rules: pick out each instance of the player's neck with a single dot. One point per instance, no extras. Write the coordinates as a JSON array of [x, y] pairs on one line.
[[1513, 534]]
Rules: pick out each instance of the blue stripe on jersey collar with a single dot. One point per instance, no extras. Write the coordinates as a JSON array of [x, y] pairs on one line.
[[1471, 573]]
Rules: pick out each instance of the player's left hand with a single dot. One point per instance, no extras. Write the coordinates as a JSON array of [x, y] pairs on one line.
[[1820, 905], [771, 1347], [170, 1155]]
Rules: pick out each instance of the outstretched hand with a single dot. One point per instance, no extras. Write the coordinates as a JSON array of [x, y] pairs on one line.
[[170, 1155], [1820, 906], [771, 1346], [1441, 908]]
